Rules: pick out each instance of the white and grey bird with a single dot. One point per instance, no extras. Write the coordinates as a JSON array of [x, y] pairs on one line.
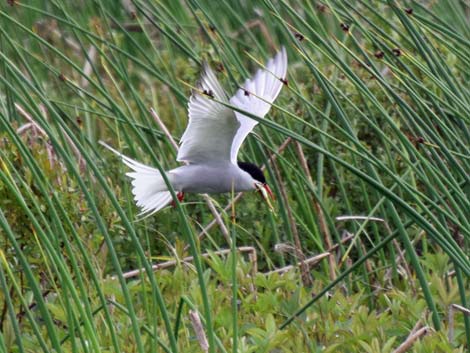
[[212, 139]]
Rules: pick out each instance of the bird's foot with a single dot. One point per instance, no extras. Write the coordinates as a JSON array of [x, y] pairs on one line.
[[180, 196]]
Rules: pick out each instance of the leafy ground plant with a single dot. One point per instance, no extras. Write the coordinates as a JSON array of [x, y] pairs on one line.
[[366, 150]]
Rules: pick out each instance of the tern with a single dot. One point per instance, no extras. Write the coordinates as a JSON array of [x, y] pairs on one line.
[[210, 144]]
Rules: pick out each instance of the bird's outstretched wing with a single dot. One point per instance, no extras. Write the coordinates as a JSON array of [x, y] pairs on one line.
[[215, 132], [211, 127], [256, 96]]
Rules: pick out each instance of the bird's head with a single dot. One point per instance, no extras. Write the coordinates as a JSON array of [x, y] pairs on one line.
[[259, 181]]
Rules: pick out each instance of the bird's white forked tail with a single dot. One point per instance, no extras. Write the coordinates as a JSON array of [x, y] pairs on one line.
[[148, 186]]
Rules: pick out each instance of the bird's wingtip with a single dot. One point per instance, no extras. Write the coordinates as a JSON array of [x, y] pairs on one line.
[[283, 53]]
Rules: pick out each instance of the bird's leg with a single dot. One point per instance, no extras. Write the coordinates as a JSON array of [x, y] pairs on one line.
[[180, 196]]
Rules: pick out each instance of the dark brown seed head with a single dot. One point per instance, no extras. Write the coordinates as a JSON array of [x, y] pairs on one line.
[[219, 67], [409, 10], [284, 81], [246, 93], [379, 54], [321, 7], [396, 51], [299, 36], [344, 27], [62, 77], [212, 28]]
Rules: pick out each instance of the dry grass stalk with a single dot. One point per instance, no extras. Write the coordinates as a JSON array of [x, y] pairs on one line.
[[359, 218], [319, 211], [346, 237], [400, 258], [88, 68], [306, 278], [35, 129], [307, 262], [356, 236], [412, 338], [199, 330], [28, 117], [167, 264], [452, 309], [49, 30]]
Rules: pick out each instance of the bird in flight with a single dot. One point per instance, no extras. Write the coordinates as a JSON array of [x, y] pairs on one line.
[[211, 141]]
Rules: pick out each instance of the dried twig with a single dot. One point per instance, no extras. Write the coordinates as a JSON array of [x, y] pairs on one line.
[[452, 309], [88, 68], [418, 325], [306, 278], [35, 128], [400, 258], [361, 218], [252, 256], [242, 249], [286, 248], [462, 309], [199, 330], [412, 338], [28, 117], [311, 260], [346, 236], [49, 30], [361, 229], [23, 128], [307, 262], [128, 6], [319, 211], [165, 130]]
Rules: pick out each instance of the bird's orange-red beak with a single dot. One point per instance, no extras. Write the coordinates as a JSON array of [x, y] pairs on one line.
[[266, 194], [268, 190]]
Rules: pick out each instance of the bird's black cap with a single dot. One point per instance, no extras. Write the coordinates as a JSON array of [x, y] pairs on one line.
[[253, 170]]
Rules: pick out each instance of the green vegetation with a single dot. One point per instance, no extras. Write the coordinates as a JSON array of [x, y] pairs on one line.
[[366, 150]]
